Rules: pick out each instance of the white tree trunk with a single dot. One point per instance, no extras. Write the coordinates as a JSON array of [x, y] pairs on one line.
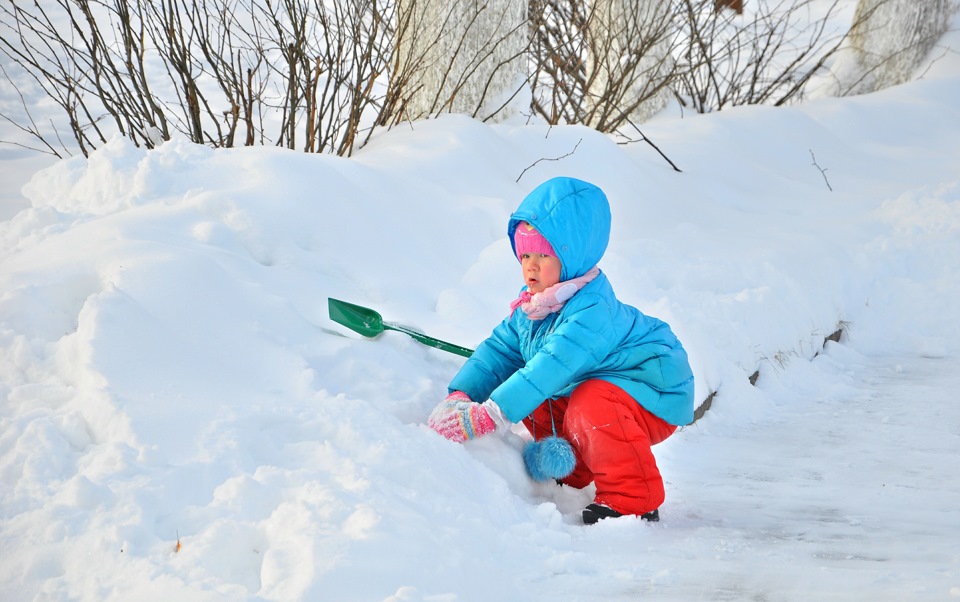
[[892, 37], [628, 59], [463, 56]]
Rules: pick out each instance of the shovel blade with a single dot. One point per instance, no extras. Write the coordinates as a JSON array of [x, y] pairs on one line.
[[362, 320]]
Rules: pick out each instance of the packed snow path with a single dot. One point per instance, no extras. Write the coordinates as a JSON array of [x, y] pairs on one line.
[[845, 487]]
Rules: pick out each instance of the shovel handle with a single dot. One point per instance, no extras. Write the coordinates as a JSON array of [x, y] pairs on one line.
[[430, 341]]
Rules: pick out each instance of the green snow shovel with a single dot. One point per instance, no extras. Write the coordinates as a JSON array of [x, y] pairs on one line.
[[369, 323]]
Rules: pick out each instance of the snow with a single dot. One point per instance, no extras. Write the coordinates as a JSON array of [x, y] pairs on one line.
[[179, 418]]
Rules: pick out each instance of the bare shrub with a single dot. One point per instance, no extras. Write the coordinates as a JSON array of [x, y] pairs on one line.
[[764, 56], [601, 64], [320, 75], [326, 64], [558, 55], [630, 62], [89, 58], [314, 75]]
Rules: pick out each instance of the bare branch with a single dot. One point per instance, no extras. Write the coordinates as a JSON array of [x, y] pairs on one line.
[[538, 161]]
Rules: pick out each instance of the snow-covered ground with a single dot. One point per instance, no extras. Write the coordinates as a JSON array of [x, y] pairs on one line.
[[179, 419]]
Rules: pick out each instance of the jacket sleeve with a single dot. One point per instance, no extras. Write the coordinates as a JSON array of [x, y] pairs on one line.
[[581, 339], [494, 360]]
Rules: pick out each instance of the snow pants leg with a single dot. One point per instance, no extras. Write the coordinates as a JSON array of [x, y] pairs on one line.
[[611, 435]]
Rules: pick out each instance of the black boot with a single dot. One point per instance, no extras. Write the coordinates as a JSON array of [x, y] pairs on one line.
[[596, 512]]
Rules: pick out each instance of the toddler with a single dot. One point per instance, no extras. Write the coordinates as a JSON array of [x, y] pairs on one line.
[[594, 380]]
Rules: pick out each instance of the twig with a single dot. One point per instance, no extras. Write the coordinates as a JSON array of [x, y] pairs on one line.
[[644, 138], [823, 171], [934, 61], [549, 159], [33, 130]]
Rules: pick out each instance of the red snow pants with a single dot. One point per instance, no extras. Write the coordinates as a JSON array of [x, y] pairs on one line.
[[611, 435]]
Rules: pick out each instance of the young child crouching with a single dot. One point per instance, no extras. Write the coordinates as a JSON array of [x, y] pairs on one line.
[[594, 380]]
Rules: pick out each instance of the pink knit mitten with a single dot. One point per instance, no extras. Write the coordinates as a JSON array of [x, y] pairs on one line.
[[458, 418]]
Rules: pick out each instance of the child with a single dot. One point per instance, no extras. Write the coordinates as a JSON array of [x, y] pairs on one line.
[[573, 361]]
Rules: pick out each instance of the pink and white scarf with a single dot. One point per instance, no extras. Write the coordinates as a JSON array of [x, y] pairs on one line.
[[540, 305]]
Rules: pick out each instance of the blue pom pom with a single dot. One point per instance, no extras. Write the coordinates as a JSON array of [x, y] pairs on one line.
[[548, 459], [531, 461], [555, 459]]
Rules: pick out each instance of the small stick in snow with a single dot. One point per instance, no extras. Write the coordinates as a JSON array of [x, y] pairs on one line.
[[823, 171]]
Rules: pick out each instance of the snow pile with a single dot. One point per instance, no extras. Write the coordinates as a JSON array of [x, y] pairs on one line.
[[180, 419]]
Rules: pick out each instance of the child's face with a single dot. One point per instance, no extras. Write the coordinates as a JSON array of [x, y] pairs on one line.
[[540, 271]]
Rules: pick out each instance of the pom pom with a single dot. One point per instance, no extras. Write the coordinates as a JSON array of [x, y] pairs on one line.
[[531, 452], [557, 460], [548, 459]]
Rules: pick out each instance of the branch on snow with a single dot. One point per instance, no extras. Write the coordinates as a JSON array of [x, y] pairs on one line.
[[531, 166]]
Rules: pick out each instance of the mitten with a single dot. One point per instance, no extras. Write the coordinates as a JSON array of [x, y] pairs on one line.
[[458, 418]]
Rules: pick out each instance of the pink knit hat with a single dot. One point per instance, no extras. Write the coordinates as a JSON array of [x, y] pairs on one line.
[[528, 240]]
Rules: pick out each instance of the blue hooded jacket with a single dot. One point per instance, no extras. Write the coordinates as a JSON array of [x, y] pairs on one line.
[[525, 362]]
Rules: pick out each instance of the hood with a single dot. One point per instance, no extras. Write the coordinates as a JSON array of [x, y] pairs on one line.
[[574, 217]]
